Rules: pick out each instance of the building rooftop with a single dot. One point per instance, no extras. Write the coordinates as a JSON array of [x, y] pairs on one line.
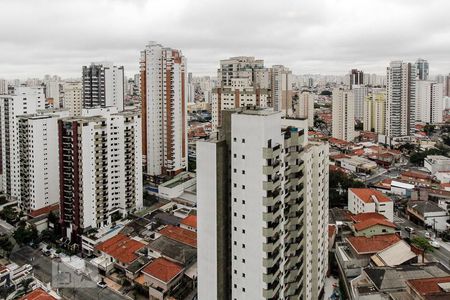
[[430, 286], [416, 175], [163, 269], [424, 207], [179, 252], [190, 221], [394, 278], [38, 294], [372, 222], [361, 217], [121, 247], [181, 235], [394, 255], [374, 244], [370, 195]]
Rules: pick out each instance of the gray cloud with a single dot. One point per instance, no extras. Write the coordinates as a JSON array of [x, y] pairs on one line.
[[314, 36]]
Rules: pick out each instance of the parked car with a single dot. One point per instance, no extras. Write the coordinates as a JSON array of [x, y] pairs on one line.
[[427, 235], [409, 229], [101, 284], [435, 244]]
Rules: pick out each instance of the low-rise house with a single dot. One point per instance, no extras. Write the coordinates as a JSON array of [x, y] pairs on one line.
[[173, 250], [429, 214], [372, 224], [181, 235], [162, 277], [189, 223], [357, 164], [395, 255], [437, 163], [38, 294], [363, 200], [402, 188], [429, 288], [417, 178], [354, 253], [119, 250], [382, 283], [443, 177]]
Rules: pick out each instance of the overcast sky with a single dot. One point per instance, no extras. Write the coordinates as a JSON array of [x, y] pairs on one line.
[[315, 36]]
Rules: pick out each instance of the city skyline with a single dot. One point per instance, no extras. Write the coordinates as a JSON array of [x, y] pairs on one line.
[[314, 42]]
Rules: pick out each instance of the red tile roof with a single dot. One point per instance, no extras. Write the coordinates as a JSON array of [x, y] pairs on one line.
[[373, 222], [180, 234], [367, 216], [417, 175], [121, 247], [38, 294], [374, 244], [366, 220], [43, 211], [367, 195], [190, 221], [163, 269], [331, 230], [429, 285]]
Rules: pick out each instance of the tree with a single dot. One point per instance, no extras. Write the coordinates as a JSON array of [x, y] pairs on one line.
[[9, 214], [429, 129], [6, 245], [26, 284], [25, 234], [339, 184], [423, 244]]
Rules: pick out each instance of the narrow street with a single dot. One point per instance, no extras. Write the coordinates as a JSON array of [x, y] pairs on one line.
[[42, 270], [442, 254]]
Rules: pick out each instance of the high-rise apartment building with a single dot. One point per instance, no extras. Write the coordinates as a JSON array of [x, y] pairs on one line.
[[72, 97], [343, 116], [103, 86], [262, 205], [356, 77], [429, 101], [305, 107], [375, 112], [3, 87], [100, 161], [38, 152], [447, 86], [400, 99], [244, 81], [164, 105], [422, 69], [52, 94], [281, 89], [359, 94], [22, 101]]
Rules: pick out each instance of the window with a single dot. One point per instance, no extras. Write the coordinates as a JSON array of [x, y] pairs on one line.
[[234, 155], [243, 201], [243, 156], [235, 243], [243, 187], [243, 260], [234, 170], [235, 200], [243, 171], [243, 231], [243, 246], [234, 139], [243, 217], [243, 141], [235, 228], [243, 275]]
